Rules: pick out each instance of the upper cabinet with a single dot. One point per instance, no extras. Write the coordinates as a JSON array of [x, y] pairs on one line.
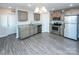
[[36, 17], [57, 14], [22, 15]]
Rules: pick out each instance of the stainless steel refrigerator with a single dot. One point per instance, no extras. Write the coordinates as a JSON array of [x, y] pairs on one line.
[[71, 29]]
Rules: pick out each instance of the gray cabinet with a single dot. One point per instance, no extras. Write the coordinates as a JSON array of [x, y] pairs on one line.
[[31, 29], [22, 15], [36, 17], [35, 29], [28, 30], [23, 32]]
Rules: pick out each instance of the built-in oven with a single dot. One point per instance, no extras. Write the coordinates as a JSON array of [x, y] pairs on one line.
[[55, 28]]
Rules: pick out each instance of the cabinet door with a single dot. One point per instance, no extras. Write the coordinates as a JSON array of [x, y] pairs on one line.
[[31, 30], [27, 31], [24, 32], [35, 29], [22, 15], [37, 17], [21, 33]]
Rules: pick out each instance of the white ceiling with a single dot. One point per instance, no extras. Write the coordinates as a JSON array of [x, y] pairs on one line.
[[49, 6]]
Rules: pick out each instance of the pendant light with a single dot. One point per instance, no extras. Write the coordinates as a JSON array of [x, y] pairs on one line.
[[41, 9], [36, 10]]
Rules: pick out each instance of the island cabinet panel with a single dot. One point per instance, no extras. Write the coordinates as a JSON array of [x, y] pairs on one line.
[[28, 30]]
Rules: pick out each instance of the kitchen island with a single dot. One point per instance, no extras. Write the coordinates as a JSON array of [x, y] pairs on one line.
[[25, 31]]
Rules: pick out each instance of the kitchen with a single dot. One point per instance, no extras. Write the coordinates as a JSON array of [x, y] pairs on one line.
[[65, 23], [59, 22], [54, 27]]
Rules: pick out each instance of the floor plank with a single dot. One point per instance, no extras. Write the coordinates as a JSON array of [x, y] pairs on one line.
[[40, 44]]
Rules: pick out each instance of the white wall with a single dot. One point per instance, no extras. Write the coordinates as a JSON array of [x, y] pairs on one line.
[[45, 22], [7, 24], [3, 31]]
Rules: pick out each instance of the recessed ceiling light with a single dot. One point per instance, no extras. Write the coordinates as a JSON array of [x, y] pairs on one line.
[[10, 7], [71, 5], [53, 9], [62, 10], [29, 5]]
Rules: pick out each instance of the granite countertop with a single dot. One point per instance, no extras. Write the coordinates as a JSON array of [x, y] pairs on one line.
[[25, 25]]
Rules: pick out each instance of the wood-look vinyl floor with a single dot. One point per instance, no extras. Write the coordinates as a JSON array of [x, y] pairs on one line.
[[40, 44]]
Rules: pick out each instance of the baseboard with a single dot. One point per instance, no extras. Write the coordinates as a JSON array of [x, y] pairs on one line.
[[6, 35], [3, 36], [45, 32]]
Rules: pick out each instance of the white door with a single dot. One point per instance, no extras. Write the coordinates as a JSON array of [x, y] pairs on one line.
[[4, 21], [12, 23], [70, 31], [3, 26]]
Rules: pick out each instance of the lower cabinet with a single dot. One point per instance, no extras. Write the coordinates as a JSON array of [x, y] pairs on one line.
[[24, 32], [35, 29], [31, 30], [28, 30]]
